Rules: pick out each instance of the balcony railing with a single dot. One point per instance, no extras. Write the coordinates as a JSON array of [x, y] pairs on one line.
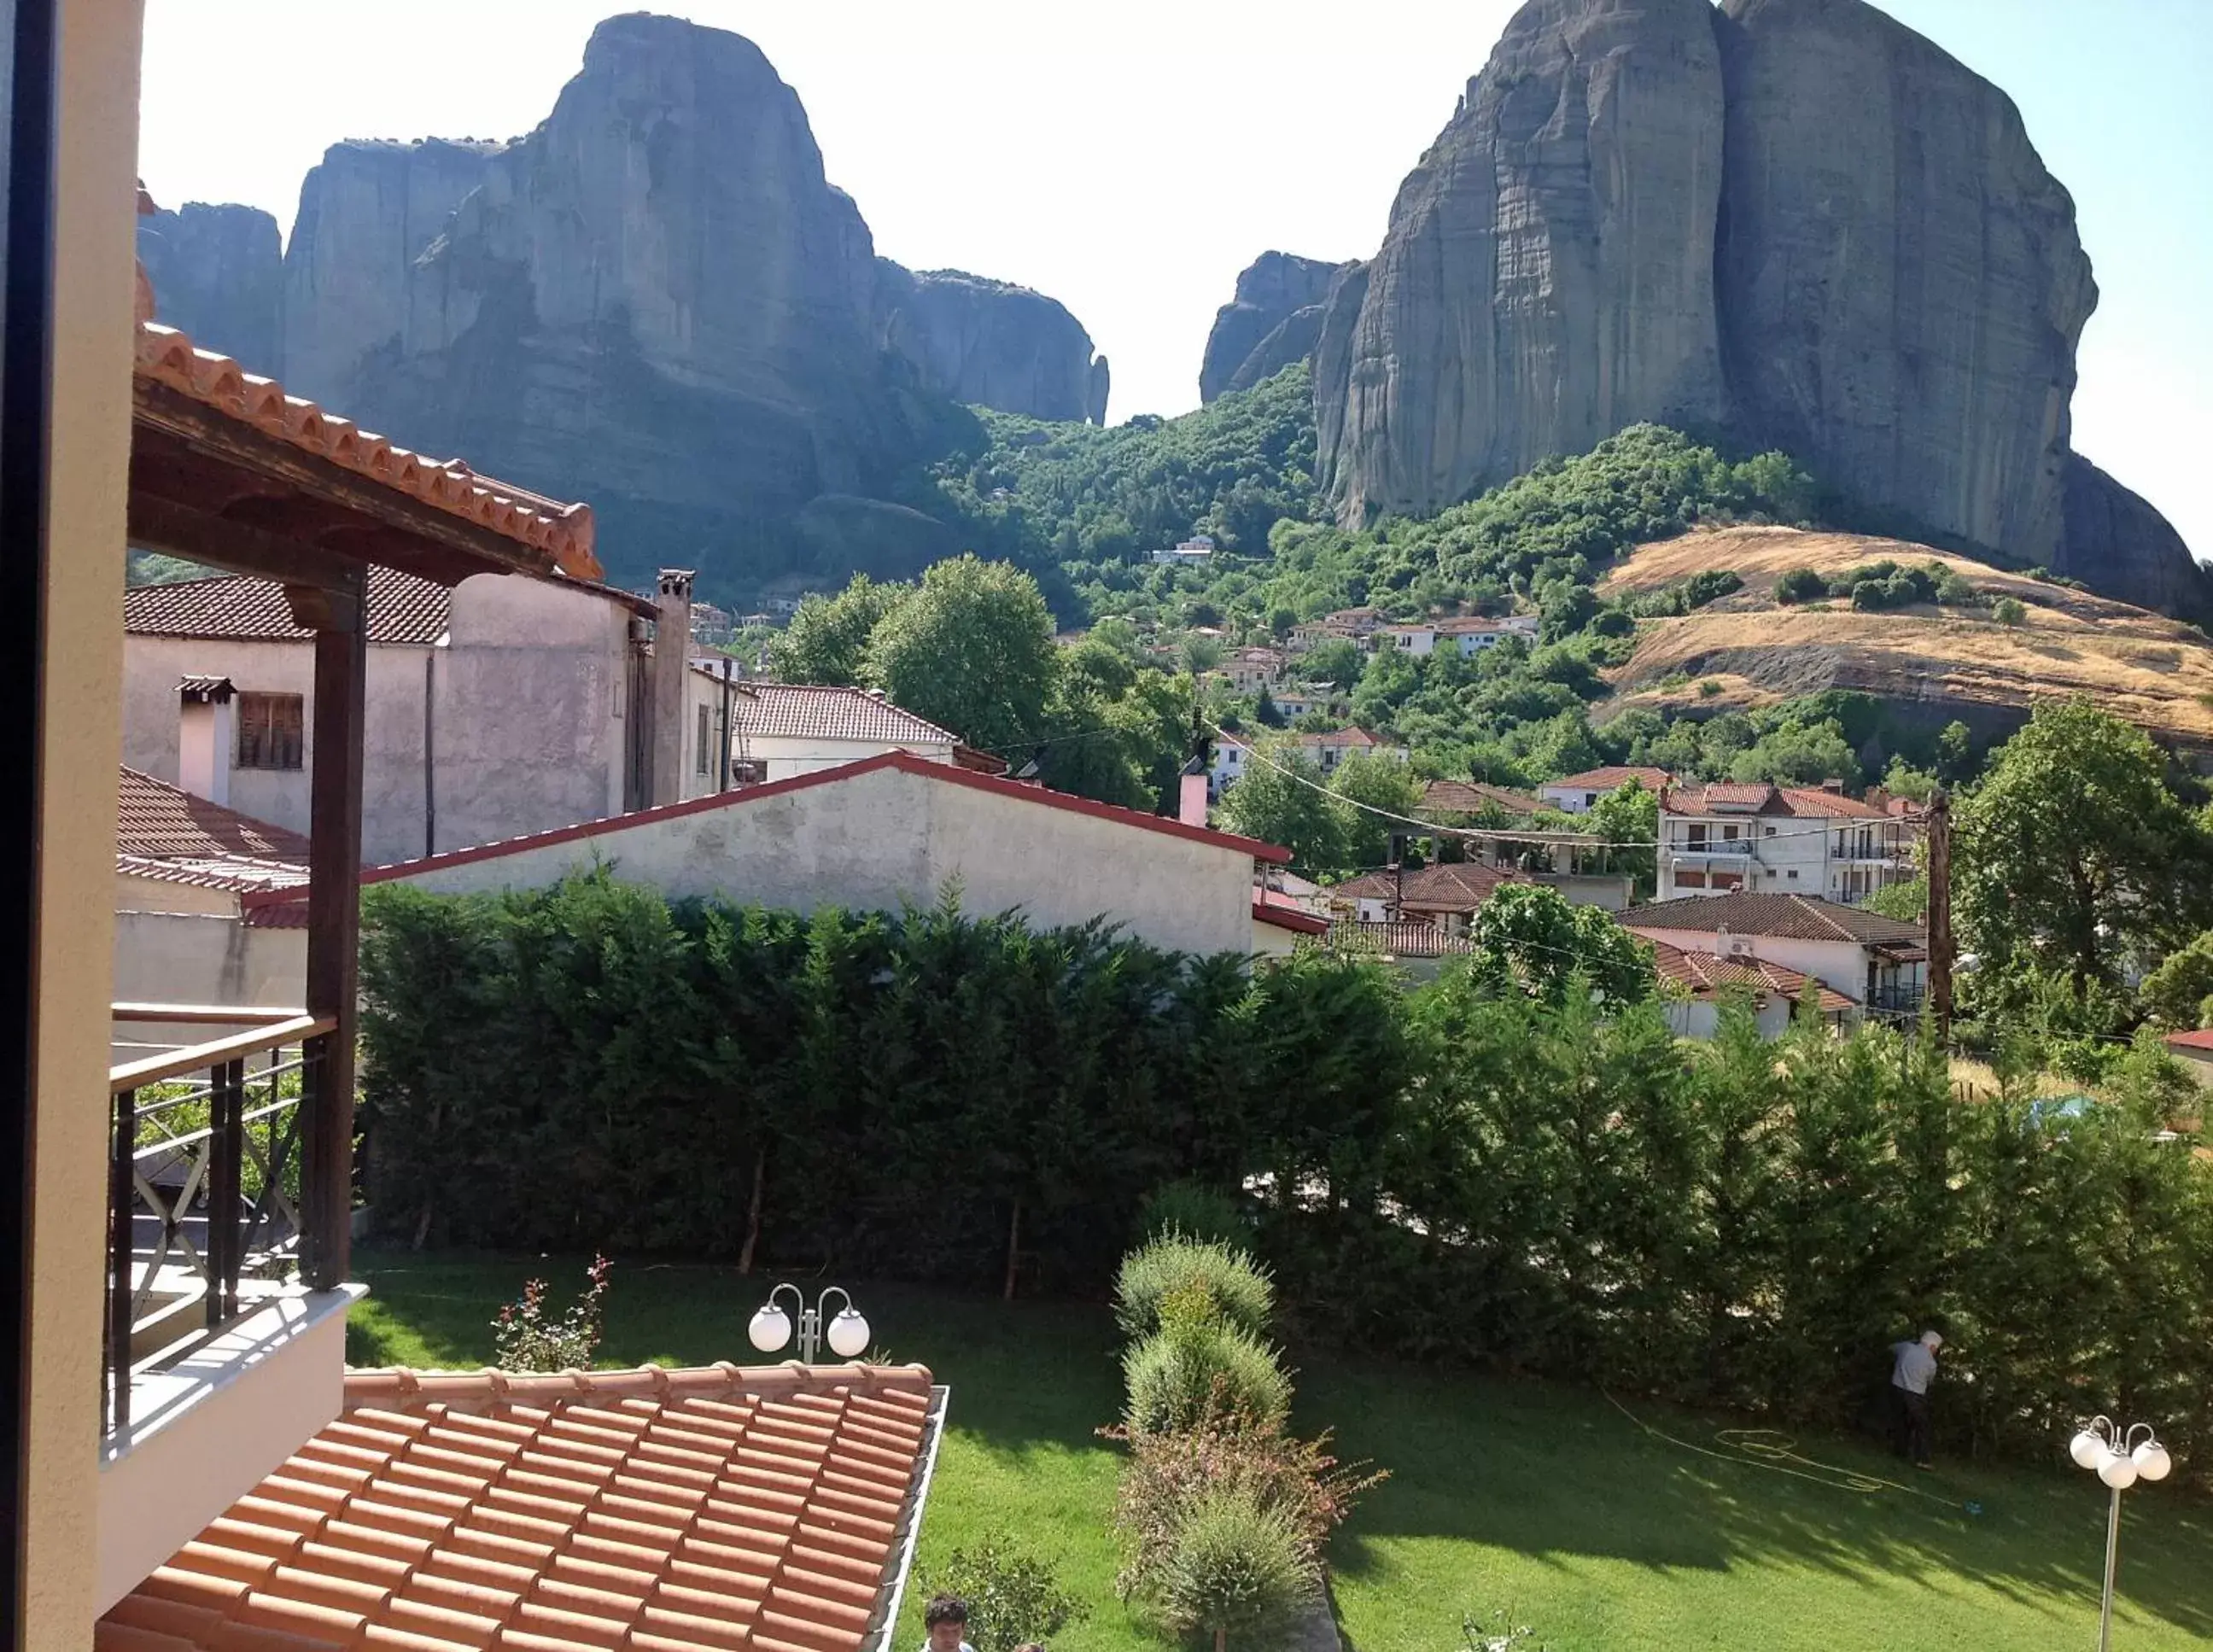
[[1904, 1001], [1736, 848], [205, 1195]]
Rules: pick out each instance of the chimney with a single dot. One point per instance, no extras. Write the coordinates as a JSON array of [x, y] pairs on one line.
[[205, 738], [1833, 785], [671, 657], [1190, 801], [1722, 942]]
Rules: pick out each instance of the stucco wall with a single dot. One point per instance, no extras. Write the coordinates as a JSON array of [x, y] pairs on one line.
[[884, 838], [788, 759], [207, 958], [1697, 1018]]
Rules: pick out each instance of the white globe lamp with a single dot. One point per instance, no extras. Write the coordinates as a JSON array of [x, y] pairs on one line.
[[2152, 1461], [2084, 1448], [2116, 1469], [849, 1335], [770, 1328]]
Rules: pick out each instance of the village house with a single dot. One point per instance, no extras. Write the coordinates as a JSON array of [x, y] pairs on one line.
[[1233, 753], [1444, 897], [1757, 838], [1695, 984], [1574, 793], [2194, 1049], [1194, 553], [1296, 700], [781, 730], [1247, 671], [1444, 799], [1468, 634], [495, 706], [1879, 963], [1352, 624]]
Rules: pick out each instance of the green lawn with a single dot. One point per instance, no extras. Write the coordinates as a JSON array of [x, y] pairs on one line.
[[1540, 1499]]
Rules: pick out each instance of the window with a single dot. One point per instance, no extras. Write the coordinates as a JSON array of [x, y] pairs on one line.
[[1698, 834], [706, 733], [1729, 833], [1590, 799], [1771, 831], [1794, 874], [271, 731]]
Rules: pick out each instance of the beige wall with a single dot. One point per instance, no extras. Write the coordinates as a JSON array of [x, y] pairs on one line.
[[529, 726], [207, 958], [80, 713], [883, 838]]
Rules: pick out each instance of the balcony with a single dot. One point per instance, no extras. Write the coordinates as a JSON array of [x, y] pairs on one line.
[[1732, 848], [217, 1359]]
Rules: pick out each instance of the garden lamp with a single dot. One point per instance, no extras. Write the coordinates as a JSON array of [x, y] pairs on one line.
[[771, 1327], [2119, 1460]]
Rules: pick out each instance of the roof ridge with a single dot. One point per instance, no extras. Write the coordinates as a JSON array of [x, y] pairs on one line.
[[398, 1387]]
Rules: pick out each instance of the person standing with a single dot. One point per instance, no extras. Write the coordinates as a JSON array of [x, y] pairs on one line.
[[1913, 1366], [945, 1623]]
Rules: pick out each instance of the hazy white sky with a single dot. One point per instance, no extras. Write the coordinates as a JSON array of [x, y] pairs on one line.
[[1131, 159]]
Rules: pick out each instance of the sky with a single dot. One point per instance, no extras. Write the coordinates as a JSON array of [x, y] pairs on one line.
[[1129, 159]]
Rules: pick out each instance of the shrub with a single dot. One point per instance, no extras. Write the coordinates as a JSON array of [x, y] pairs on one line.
[[1233, 1570], [1014, 1596], [1196, 1367], [1801, 585], [527, 1340], [1194, 1210], [1166, 1473], [1238, 1287], [2008, 611]]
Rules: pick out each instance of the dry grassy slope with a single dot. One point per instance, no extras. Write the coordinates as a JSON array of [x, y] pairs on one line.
[[2151, 670]]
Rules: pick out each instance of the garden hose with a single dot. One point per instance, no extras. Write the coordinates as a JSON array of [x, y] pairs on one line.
[[1774, 1450]]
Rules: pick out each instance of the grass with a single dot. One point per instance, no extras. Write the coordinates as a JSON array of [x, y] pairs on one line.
[[1537, 1498]]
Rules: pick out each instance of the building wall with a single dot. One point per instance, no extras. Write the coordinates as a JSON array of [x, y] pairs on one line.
[[787, 759], [1698, 1018], [527, 730], [80, 714], [883, 839], [207, 958]]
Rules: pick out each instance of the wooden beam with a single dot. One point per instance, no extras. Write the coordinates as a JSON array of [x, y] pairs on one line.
[[333, 926], [218, 436], [159, 524]]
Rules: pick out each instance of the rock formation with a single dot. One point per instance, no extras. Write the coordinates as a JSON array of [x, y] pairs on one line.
[[216, 272], [656, 300], [1273, 320], [988, 342], [1795, 220]]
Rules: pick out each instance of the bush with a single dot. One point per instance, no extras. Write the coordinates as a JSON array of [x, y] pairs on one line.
[[527, 1340], [1238, 1287], [1197, 1369], [1801, 585], [1014, 1596], [1192, 1210], [2008, 611], [1234, 1572]]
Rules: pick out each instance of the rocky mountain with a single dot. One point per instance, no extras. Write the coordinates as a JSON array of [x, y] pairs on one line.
[[219, 266], [656, 300], [1796, 221], [1274, 320]]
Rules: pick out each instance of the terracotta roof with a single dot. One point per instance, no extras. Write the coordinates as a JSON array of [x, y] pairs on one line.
[[1758, 797], [238, 608], [677, 1511], [906, 762], [1784, 917], [1467, 624], [562, 532], [1460, 887], [155, 822], [1474, 796], [2200, 1040], [1612, 775], [1341, 737], [802, 711], [1273, 906], [1703, 974]]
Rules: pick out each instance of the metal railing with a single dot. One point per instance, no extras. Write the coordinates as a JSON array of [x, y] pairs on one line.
[[218, 1126], [1897, 1000]]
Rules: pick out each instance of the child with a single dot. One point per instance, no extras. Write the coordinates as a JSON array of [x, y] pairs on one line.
[[946, 1620]]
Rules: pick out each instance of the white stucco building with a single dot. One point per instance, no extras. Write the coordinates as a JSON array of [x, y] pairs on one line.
[[894, 831], [505, 706], [1464, 635], [1797, 840], [1880, 963], [779, 731], [1574, 793]]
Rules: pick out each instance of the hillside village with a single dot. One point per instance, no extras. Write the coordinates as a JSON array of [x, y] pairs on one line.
[[872, 1011]]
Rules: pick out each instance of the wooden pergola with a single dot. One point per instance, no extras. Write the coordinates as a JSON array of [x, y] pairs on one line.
[[228, 470]]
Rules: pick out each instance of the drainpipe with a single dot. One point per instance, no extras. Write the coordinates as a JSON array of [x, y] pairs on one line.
[[429, 753]]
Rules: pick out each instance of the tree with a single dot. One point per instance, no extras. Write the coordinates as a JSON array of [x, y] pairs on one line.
[[1281, 800], [1955, 753], [827, 639], [1527, 937], [1628, 814], [1339, 661], [973, 650], [2176, 993], [1381, 781], [2073, 851]]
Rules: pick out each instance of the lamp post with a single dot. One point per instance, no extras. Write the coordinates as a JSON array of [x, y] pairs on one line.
[[771, 1327], [2120, 1459]]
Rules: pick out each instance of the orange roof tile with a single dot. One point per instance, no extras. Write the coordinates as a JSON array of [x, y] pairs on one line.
[[1472, 797], [400, 608], [155, 822], [1612, 775], [562, 532], [659, 1510], [1703, 974]]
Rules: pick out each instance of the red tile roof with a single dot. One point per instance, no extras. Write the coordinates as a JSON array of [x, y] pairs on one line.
[[1273, 906], [238, 608], [1612, 775], [562, 532], [803, 712], [2200, 1040], [1758, 797], [155, 822], [1474, 796], [906, 762], [1784, 917], [1703, 975], [654, 1510], [1460, 887], [1341, 737]]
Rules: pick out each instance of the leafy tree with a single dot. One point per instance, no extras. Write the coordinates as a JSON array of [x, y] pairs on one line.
[[1955, 753], [1200, 654], [2176, 993], [1265, 710], [827, 639], [1801, 585], [1628, 814], [2073, 851], [1905, 902], [2009, 611], [970, 649], [1527, 936], [1381, 781], [1281, 800], [1338, 661]]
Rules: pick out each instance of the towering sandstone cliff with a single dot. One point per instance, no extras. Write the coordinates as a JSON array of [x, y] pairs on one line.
[[218, 265], [1796, 220], [656, 300], [1272, 321]]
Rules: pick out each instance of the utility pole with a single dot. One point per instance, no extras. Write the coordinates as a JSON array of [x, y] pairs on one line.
[[1940, 912]]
